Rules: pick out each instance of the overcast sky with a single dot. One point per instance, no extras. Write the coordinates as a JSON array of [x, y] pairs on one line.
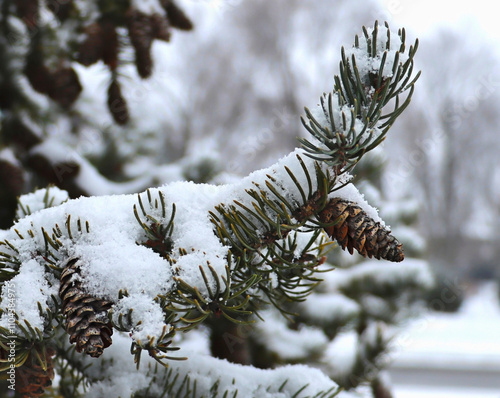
[[422, 16]]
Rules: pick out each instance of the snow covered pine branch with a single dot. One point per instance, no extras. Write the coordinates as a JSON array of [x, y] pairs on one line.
[[112, 271]]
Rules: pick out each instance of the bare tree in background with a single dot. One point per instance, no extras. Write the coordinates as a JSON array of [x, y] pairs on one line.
[[254, 72], [452, 151]]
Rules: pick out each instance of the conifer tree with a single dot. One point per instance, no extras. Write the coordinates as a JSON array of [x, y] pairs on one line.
[[185, 275], [42, 45]]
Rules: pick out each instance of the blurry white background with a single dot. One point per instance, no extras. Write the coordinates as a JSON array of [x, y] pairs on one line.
[[452, 355]]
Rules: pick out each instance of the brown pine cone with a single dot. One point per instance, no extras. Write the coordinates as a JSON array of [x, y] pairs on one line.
[[87, 320], [27, 11], [66, 86], [176, 16], [91, 48], [354, 229], [31, 378], [161, 29], [144, 63], [110, 46], [117, 104], [39, 76], [11, 178], [61, 9], [141, 36]]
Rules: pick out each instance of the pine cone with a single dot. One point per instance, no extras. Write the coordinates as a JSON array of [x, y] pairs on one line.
[[141, 36], [11, 179], [110, 44], [87, 320], [27, 11], [117, 104], [12, 183], [160, 26], [91, 49], [176, 16], [37, 73], [31, 378], [15, 131], [66, 86], [61, 9], [354, 229]]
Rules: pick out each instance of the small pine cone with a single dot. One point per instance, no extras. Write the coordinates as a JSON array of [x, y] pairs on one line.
[[141, 34], [87, 320], [354, 229], [144, 63], [14, 130], [12, 183], [61, 8], [66, 87], [31, 378], [161, 28], [110, 44], [91, 48], [11, 178], [176, 16], [39, 76], [117, 104], [27, 11]]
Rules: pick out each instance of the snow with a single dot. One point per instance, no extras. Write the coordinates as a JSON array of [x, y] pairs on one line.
[[345, 352], [288, 344], [328, 308], [113, 262], [381, 273], [419, 391], [194, 231], [29, 288], [110, 259], [206, 370], [6, 154], [437, 352], [340, 355], [338, 118], [147, 317], [40, 199], [467, 339], [125, 379], [148, 6], [451, 346], [63, 158], [351, 193], [410, 238], [367, 64]]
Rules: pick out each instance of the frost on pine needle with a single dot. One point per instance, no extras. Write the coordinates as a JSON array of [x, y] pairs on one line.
[[32, 292], [40, 199]]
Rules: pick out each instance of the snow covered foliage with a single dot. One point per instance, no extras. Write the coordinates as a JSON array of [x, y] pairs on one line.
[[66, 68], [148, 270], [349, 122]]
